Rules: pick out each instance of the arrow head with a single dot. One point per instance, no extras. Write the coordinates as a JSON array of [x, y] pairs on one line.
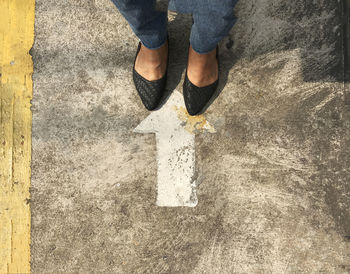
[[173, 116]]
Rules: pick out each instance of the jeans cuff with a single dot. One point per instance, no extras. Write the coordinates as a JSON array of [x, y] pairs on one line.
[[200, 51], [156, 47]]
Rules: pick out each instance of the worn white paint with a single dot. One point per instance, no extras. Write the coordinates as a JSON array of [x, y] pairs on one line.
[[175, 153]]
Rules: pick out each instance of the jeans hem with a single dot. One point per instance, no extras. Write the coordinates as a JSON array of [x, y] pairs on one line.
[[201, 51], [156, 47]]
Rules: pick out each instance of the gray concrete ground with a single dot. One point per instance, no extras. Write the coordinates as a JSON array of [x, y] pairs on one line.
[[273, 194]]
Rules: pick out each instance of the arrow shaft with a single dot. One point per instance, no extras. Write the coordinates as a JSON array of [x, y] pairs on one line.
[[176, 166]]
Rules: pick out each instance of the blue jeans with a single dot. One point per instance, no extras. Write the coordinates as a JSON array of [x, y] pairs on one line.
[[213, 19]]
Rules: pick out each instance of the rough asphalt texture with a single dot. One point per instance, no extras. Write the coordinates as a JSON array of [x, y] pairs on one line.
[[274, 194]]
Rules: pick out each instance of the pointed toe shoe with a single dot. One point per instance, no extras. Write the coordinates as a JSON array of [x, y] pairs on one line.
[[196, 97], [152, 91]]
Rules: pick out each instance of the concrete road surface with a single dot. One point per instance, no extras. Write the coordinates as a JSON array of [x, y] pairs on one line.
[[269, 159]]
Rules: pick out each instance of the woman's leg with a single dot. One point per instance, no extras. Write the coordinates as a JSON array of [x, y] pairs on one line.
[[148, 24], [212, 21]]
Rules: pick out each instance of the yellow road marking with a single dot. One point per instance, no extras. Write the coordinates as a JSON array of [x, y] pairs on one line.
[[16, 68]]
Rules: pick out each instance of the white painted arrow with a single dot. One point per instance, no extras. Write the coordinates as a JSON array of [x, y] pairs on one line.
[[174, 129]]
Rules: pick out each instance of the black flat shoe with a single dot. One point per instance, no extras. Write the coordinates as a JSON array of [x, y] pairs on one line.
[[195, 97], [150, 92]]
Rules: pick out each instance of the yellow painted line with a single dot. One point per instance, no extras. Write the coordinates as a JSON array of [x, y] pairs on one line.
[[16, 68]]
